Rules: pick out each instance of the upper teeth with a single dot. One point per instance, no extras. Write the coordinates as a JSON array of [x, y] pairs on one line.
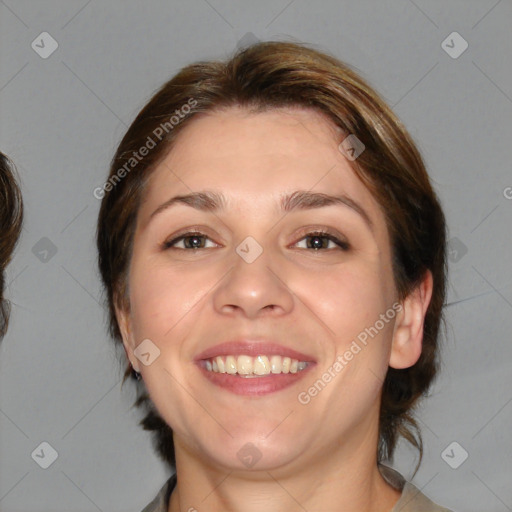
[[260, 365]]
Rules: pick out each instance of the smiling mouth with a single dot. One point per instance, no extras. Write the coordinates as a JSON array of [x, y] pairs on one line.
[[248, 367], [255, 376]]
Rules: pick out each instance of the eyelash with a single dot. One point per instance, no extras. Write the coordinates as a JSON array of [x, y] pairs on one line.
[[343, 245]]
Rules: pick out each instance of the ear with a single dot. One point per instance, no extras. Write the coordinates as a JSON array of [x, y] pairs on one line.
[[408, 332], [125, 326]]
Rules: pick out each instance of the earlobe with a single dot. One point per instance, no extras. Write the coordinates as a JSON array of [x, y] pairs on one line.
[[408, 333]]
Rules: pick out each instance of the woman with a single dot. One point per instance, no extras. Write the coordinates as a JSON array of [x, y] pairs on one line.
[[11, 219], [273, 256]]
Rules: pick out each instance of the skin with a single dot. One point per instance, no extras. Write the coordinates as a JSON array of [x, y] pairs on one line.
[[319, 456]]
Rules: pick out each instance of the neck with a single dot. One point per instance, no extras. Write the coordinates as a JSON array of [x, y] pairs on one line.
[[344, 477]]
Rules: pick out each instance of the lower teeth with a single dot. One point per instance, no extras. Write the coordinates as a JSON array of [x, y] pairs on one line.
[[253, 376]]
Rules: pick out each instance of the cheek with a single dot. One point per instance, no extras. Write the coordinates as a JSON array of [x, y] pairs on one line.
[[349, 299], [164, 298], [351, 302]]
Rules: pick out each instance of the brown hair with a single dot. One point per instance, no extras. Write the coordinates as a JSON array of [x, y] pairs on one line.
[[11, 218], [271, 75]]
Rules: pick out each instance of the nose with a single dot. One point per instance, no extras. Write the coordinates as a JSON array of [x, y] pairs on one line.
[[254, 287]]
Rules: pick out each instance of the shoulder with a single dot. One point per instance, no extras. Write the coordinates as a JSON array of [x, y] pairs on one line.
[[412, 499], [161, 501]]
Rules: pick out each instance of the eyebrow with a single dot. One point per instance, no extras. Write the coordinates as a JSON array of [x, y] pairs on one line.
[[211, 201]]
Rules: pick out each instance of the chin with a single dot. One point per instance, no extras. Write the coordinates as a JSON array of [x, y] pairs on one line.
[[249, 453]]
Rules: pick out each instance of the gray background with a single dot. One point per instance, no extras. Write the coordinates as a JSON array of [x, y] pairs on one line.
[[61, 119]]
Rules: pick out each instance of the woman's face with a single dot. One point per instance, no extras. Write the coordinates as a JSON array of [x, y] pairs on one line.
[[256, 274]]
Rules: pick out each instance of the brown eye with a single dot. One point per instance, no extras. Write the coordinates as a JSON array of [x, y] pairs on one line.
[[191, 240], [320, 240]]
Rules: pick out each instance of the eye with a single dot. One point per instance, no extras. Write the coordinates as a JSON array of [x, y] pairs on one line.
[[318, 238], [195, 240], [191, 240]]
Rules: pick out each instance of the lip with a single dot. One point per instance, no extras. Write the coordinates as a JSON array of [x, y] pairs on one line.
[[255, 386], [252, 348]]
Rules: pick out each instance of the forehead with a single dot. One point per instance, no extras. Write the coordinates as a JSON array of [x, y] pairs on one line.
[[290, 134], [259, 156]]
